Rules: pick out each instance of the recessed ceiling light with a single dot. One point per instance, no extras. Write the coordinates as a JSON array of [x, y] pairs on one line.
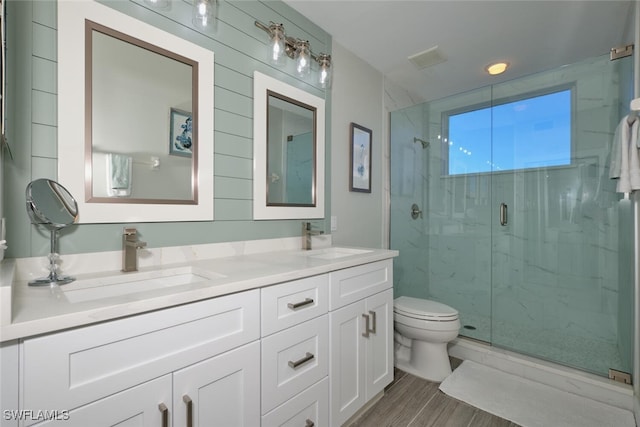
[[497, 68]]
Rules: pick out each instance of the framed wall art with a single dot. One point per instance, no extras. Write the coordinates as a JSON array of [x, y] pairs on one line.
[[360, 155]]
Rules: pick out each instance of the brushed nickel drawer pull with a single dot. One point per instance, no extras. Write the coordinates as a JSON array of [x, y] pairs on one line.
[[186, 399], [373, 320], [297, 305], [165, 414], [305, 359], [309, 423], [366, 326]]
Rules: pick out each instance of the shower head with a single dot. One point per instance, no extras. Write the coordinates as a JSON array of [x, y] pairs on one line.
[[424, 143]]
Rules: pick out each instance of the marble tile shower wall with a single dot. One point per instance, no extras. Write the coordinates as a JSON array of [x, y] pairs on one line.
[[409, 181], [239, 49]]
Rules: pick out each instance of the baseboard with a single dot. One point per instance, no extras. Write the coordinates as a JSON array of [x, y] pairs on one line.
[[563, 378]]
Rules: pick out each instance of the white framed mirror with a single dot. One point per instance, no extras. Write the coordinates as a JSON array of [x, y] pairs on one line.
[[145, 150], [288, 149]]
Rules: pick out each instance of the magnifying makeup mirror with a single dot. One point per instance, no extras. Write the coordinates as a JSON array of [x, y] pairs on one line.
[[51, 205]]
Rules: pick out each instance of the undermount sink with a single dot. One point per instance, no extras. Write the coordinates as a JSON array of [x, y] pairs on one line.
[[130, 283], [335, 252]]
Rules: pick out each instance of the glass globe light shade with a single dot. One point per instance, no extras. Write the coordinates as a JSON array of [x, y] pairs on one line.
[[303, 58], [325, 72], [203, 13], [277, 44]]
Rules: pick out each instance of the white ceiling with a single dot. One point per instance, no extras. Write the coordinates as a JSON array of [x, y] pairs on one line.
[[532, 35]]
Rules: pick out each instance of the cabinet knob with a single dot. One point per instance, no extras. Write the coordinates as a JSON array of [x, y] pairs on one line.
[[309, 423]]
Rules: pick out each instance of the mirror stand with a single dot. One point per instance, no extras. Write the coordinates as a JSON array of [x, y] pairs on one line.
[[51, 205], [53, 277]]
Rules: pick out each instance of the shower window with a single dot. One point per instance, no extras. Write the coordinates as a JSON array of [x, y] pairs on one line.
[[532, 130]]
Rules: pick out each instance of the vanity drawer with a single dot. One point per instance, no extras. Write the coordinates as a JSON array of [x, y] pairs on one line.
[[312, 405], [290, 303], [353, 284], [71, 368], [293, 360]]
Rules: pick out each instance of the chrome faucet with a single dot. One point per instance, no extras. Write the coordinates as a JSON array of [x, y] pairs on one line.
[[307, 232], [130, 246]]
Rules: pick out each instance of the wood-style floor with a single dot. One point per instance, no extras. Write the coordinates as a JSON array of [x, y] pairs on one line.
[[410, 401]]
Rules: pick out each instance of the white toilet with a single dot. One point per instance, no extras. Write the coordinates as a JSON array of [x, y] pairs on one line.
[[423, 329]]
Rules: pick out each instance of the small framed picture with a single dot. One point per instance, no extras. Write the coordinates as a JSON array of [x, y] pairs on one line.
[[360, 177], [180, 133]]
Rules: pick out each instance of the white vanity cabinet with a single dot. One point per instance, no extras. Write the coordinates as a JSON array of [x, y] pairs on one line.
[[134, 368], [305, 352], [361, 336], [295, 353]]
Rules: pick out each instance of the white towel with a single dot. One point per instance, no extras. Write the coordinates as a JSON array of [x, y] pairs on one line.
[[625, 160], [119, 175]]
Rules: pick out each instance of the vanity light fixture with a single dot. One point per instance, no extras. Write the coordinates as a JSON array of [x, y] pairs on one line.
[[297, 49], [203, 13], [497, 68]]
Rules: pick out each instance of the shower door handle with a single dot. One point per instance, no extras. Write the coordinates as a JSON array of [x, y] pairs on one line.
[[503, 214]]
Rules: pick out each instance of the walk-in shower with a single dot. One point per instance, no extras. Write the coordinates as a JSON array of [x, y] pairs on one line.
[[520, 227]]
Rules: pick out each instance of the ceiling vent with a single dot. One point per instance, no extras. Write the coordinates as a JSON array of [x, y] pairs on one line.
[[428, 58]]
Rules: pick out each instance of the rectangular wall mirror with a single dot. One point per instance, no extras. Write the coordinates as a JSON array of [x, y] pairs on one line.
[[288, 180], [145, 152], [138, 148], [291, 162]]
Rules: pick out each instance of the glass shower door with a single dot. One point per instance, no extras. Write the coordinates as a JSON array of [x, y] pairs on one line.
[[561, 236]]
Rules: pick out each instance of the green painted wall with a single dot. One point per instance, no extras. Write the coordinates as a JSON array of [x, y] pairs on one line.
[[239, 47]]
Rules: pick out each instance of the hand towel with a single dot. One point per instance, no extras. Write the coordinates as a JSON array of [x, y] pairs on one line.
[[625, 161], [119, 175]]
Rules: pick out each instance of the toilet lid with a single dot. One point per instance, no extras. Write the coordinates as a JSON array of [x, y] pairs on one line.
[[423, 308]]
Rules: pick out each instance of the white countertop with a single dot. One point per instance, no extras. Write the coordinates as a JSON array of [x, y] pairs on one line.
[[38, 310]]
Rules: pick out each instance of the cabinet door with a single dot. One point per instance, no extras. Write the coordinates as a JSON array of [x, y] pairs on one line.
[[136, 407], [347, 389], [379, 343], [220, 391]]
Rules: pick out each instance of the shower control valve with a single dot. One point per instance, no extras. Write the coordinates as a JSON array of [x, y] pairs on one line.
[[415, 211]]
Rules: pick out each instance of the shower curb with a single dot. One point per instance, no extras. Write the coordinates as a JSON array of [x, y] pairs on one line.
[[560, 377]]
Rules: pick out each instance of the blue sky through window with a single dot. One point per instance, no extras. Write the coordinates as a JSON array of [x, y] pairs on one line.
[[527, 133]]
